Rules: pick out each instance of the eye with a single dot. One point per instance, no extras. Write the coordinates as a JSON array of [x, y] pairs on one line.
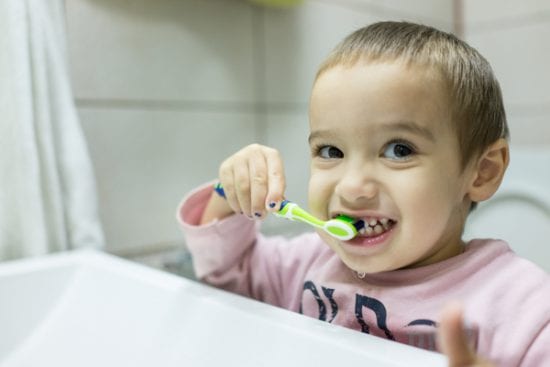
[[329, 152], [398, 150]]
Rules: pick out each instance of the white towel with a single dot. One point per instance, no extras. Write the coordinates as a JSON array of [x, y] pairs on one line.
[[47, 190]]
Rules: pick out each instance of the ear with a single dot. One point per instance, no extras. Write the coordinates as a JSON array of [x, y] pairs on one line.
[[489, 171]]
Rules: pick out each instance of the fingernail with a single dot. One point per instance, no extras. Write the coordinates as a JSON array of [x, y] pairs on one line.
[[258, 214], [272, 204]]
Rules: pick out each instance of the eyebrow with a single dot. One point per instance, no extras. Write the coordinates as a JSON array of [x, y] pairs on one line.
[[408, 126], [320, 134], [413, 128]]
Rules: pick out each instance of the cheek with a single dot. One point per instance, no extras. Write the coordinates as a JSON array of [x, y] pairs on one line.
[[430, 202], [319, 193]]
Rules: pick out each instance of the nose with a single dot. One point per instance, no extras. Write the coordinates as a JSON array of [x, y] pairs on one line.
[[356, 187]]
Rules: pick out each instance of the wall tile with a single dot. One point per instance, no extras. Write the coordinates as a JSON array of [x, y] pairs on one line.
[[434, 12], [288, 131], [145, 161], [297, 40], [512, 35], [163, 49], [506, 12], [528, 129], [519, 57]]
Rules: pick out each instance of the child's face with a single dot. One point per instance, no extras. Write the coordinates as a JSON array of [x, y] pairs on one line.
[[383, 149]]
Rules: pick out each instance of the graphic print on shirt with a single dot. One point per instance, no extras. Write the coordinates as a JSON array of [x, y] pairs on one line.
[[370, 317], [328, 292], [379, 310]]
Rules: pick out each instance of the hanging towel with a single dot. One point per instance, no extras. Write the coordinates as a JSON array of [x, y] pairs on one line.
[[48, 197]]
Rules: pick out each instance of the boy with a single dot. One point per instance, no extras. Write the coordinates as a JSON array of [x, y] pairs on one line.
[[407, 133]]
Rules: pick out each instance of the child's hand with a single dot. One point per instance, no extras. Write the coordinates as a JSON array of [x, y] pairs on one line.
[[453, 341], [253, 181]]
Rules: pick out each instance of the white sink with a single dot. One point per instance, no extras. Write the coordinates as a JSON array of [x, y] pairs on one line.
[[88, 308]]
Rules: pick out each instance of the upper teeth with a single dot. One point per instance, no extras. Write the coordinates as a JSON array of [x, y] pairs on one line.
[[375, 226], [373, 222]]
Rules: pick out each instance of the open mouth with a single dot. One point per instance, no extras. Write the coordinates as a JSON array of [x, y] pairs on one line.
[[372, 227]]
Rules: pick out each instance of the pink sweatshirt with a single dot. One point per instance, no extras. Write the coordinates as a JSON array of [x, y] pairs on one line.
[[505, 297]]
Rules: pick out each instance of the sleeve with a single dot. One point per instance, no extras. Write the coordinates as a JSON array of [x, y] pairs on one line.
[[218, 245], [231, 254], [538, 353]]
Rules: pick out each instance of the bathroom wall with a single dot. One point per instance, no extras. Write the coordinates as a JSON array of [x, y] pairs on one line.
[[514, 37], [166, 89]]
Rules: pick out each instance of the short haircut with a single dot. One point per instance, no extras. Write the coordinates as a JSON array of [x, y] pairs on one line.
[[477, 108]]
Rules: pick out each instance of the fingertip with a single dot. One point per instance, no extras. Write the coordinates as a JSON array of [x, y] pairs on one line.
[[452, 311], [273, 205], [259, 215]]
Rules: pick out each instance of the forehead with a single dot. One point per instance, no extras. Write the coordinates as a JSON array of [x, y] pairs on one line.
[[379, 93]]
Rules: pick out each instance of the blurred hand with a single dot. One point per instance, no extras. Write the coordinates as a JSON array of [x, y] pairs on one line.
[[453, 341], [253, 181]]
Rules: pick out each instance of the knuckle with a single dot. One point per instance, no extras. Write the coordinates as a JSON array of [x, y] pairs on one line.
[[259, 180], [254, 147], [272, 151], [228, 188], [225, 166], [276, 174], [242, 183]]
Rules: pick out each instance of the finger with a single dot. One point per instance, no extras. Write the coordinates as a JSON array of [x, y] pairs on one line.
[[227, 180], [241, 174], [452, 339], [276, 179], [258, 184]]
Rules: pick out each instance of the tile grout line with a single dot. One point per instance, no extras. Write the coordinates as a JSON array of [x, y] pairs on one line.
[[260, 73], [458, 18], [184, 105]]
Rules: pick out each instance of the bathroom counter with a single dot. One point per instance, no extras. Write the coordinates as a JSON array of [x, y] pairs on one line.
[[87, 308]]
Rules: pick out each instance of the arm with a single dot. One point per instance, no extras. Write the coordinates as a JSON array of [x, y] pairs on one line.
[[225, 247], [232, 255], [216, 208]]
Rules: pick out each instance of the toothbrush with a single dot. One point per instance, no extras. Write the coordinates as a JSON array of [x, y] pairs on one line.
[[342, 227]]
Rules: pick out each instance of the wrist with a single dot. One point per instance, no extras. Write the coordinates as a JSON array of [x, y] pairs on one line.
[[217, 208]]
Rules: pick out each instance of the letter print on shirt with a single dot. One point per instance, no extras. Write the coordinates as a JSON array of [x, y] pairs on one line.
[[370, 316]]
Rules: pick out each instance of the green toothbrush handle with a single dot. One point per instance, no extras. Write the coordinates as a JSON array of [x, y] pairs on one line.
[[293, 212], [342, 227]]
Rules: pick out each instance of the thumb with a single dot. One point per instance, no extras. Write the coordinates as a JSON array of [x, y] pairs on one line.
[[452, 339]]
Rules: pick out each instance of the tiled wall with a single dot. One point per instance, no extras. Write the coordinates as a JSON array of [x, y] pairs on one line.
[[514, 37], [166, 89]]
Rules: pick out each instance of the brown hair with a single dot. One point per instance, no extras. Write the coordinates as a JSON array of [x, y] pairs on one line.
[[476, 100]]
